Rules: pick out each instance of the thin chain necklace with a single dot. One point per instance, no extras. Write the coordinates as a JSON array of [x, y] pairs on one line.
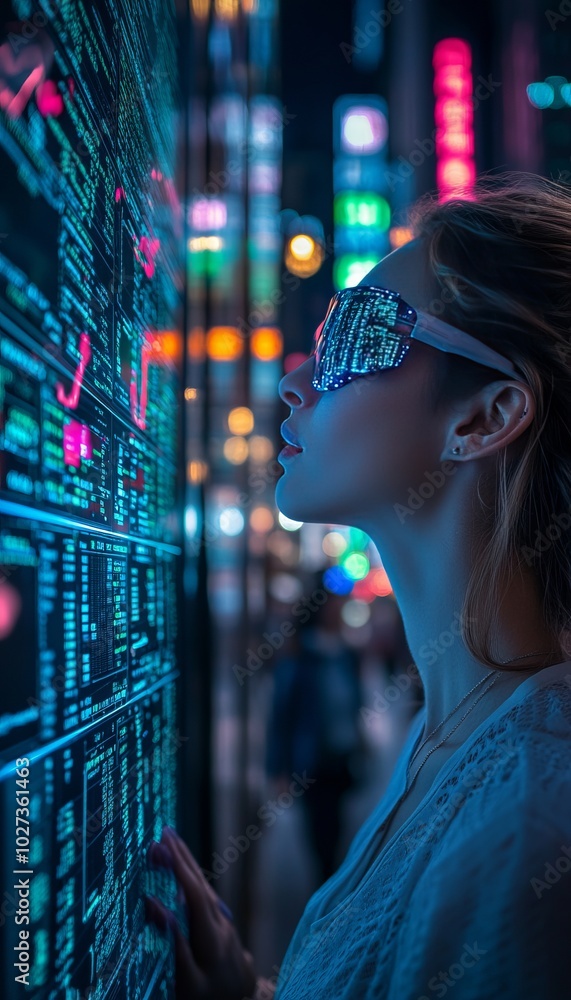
[[439, 726], [491, 682]]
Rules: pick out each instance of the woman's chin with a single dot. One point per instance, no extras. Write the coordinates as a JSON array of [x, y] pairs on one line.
[[299, 508], [289, 504]]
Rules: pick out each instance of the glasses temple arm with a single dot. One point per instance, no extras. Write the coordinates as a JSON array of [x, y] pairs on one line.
[[445, 337]]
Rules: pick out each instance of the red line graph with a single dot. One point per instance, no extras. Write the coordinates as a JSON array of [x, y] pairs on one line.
[[31, 60], [71, 399], [140, 418]]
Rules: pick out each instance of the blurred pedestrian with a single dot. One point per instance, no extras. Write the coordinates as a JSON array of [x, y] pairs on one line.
[[314, 726]]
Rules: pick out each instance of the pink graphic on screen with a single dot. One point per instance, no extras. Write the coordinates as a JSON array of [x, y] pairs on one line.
[[71, 398], [10, 608], [139, 410], [49, 99], [33, 59], [146, 252], [77, 443]]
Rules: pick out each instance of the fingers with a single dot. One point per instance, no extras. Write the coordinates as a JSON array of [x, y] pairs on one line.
[[159, 915], [204, 917], [177, 848], [171, 838], [187, 974], [159, 853]]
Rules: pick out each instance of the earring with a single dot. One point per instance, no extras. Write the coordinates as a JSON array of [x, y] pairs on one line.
[[456, 450], [524, 413]]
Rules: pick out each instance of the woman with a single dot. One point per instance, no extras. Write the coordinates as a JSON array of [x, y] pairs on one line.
[[454, 454]]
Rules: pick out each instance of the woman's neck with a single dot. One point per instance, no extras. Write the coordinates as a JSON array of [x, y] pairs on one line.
[[496, 689]]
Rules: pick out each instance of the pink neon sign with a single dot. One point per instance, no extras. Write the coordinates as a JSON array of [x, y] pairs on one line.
[[454, 118]]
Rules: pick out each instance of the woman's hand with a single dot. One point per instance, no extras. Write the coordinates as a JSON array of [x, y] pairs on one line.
[[211, 964]]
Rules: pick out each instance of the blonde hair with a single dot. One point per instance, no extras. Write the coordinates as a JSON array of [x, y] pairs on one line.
[[501, 261]]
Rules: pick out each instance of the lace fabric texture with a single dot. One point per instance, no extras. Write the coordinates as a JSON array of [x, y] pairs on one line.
[[473, 893]]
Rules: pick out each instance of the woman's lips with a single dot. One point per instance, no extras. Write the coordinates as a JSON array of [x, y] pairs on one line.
[[289, 451]]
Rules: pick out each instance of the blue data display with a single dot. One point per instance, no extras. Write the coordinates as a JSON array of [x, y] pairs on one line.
[[91, 289]]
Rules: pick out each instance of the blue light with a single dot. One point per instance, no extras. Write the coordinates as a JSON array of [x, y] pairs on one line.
[[541, 95], [337, 581]]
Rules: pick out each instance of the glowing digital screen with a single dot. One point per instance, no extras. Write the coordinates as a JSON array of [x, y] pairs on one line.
[[91, 275]]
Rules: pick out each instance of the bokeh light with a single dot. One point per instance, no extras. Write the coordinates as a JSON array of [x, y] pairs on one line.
[[288, 523], [356, 565], [261, 448], [261, 519], [355, 613], [236, 450], [541, 95], [334, 544], [240, 420], [224, 343], [364, 129], [266, 343], [335, 580], [231, 521]]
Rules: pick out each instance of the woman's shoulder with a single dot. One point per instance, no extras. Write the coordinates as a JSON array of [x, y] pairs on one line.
[[536, 722], [518, 765]]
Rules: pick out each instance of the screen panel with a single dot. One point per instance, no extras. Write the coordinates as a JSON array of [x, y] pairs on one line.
[[90, 307]]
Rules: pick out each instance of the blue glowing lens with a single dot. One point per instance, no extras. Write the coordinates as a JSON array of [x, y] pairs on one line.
[[365, 330]]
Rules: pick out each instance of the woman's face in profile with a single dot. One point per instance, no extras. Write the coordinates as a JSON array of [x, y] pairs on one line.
[[367, 442]]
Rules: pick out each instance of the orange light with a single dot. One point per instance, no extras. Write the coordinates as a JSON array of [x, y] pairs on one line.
[[303, 255], [200, 8], [267, 343], [226, 10], [224, 343], [190, 393], [261, 519], [236, 449], [196, 471], [399, 235], [379, 583], [261, 448], [196, 344], [240, 420], [170, 344]]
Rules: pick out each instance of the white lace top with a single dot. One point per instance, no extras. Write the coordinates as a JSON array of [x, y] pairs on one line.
[[472, 895]]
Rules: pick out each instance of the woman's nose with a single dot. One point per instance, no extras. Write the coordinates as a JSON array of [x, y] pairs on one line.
[[295, 387]]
